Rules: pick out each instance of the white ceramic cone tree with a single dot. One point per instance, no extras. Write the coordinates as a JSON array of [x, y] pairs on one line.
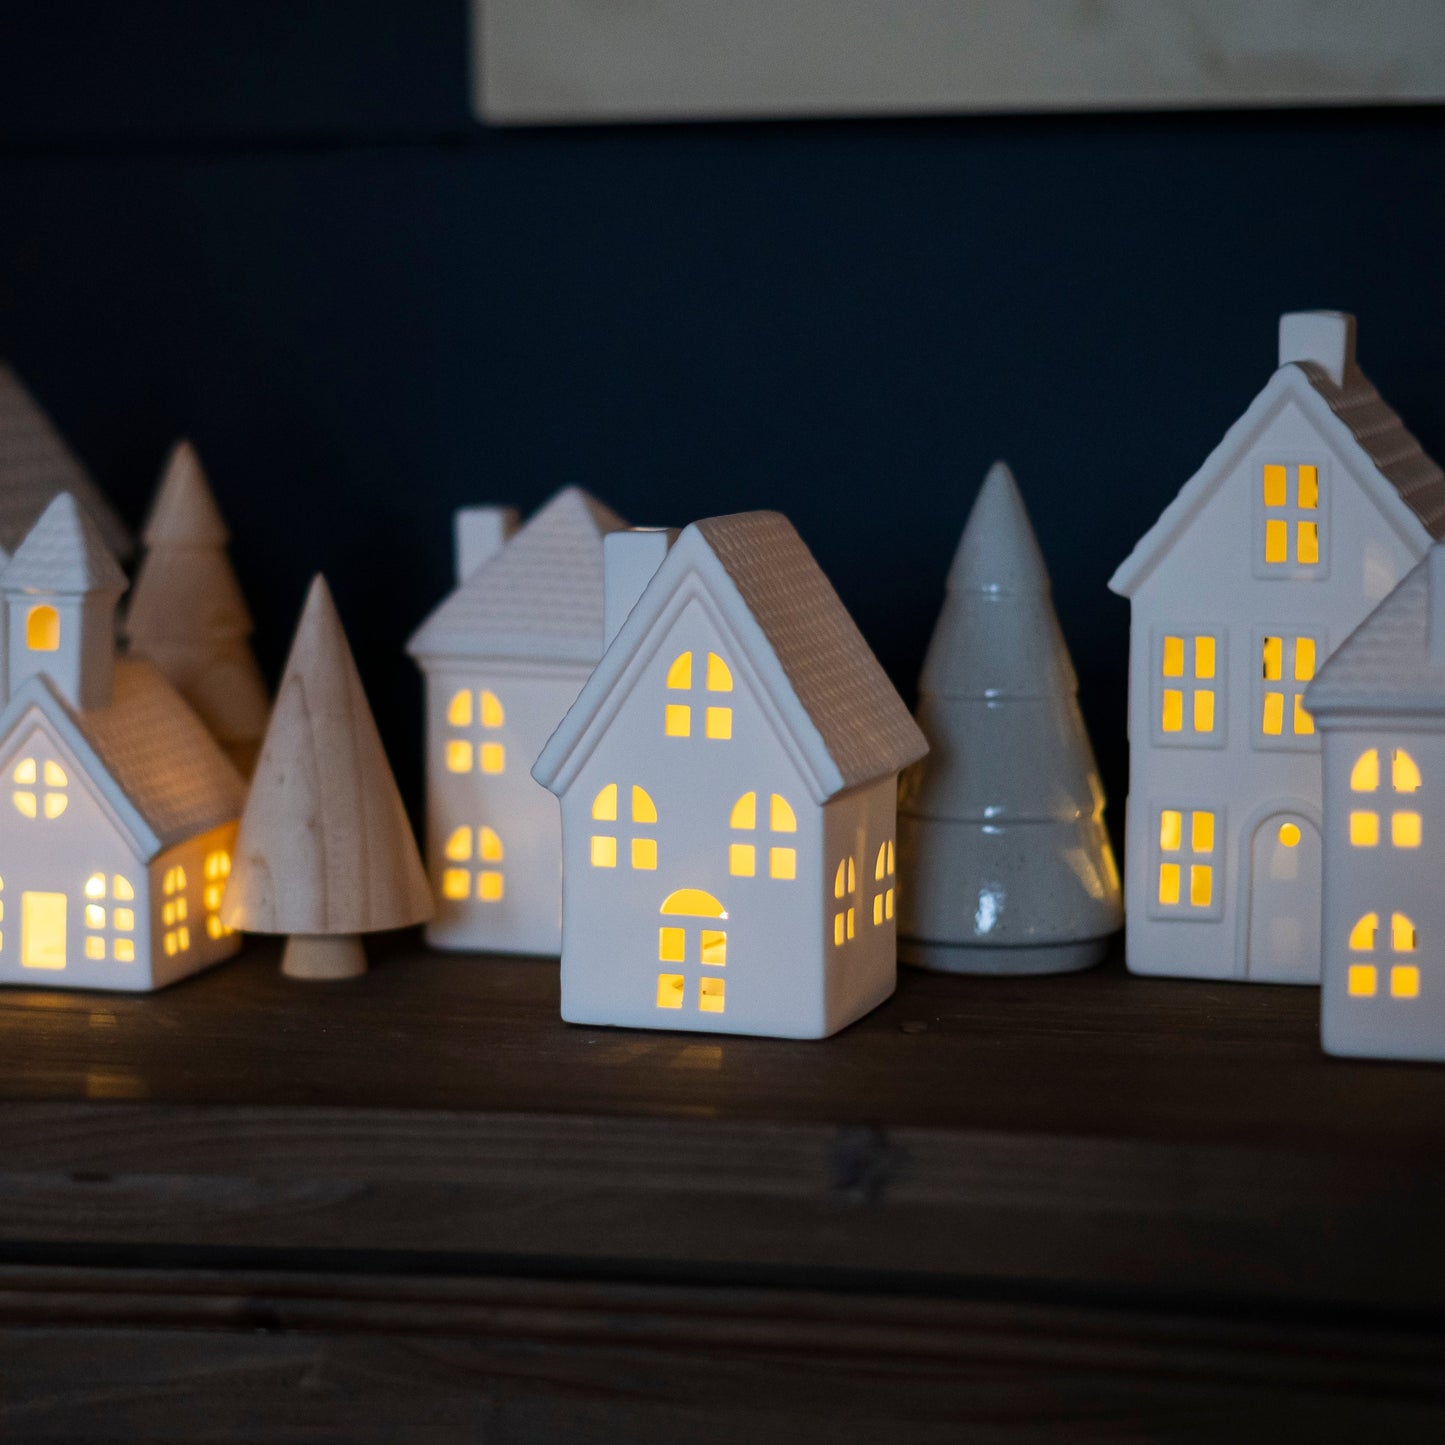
[[325, 852], [1005, 863], [188, 617]]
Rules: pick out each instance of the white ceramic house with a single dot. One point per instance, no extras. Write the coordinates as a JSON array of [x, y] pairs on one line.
[[118, 811], [36, 465], [1380, 706], [728, 779], [1315, 504], [504, 657]]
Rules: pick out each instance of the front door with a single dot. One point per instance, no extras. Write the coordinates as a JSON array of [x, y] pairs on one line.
[[693, 939], [42, 930], [1284, 901]]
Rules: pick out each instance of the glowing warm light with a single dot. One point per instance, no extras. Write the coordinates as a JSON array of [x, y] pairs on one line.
[[710, 1000], [604, 852], [459, 756], [1273, 659], [1203, 712], [459, 846], [456, 884], [494, 757], [782, 863], [1172, 719], [1169, 883], [1405, 981], [1275, 485], [720, 723], [669, 990], [604, 805], [1364, 829], [1362, 980], [714, 949], [1276, 542], [490, 886], [42, 930], [25, 771], [55, 804], [644, 853], [671, 945], [677, 720], [489, 845], [1304, 659], [121, 887], [781, 818], [24, 804], [95, 886], [1405, 830], [1201, 885], [1307, 543], [1202, 833], [123, 919], [1365, 775], [124, 949], [694, 903], [95, 947], [742, 860], [42, 629], [1402, 934], [459, 709], [1304, 724], [745, 812], [1173, 657], [493, 715], [1289, 835], [1309, 488], [719, 678], [1171, 830], [1272, 724], [94, 916], [1404, 772], [644, 810], [679, 675], [55, 776], [1204, 650]]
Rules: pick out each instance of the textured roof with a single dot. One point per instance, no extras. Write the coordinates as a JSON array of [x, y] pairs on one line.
[[849, 723], [1354, 414], [1384, 665], [155, 749], [539, 597], [63, 552], [35, 464]]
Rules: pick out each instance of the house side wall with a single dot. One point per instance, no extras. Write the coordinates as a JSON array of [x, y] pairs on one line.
[[185, 927], [776, 971], [1387, 1013], [527, 916], [1210, 584]]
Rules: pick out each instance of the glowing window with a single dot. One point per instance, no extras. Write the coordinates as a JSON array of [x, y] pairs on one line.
[[31, 804], [1405, 981], [641, 850], [42, 629], [1290, 497], [1362, 935], [485, 709], [493, 757], [670, 990], [1404, 772], [711, 993], [1364, 829], [215, 869], [1363, 979], [457, 883], [1187, 860], [677, 716], [459, 709], [176, 937], [459, 756], [102, 925], [1287, 665], [1405, 830], [845, 890], [674, 944], [1189, 666], [743, 857], [883, 874], [42, 930], [1403, 938], [1365, 775], [492, 714]]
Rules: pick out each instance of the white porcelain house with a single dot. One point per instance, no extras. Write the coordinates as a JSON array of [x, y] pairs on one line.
[[729, 780], [1307, 514], [118, 810]]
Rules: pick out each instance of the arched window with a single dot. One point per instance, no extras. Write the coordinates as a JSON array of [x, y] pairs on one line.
[[677, 715], [845, 890], [883, 874], [642, 812], [42, 628], [1406, 825], [1363, 979], [457, 883], [743, 857], [469, 740], [29, 802]]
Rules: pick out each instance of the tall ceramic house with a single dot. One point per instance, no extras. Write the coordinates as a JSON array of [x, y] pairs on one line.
[[504, 657], [728, 779], [118, 812], [1315, 504], [1380, 706]]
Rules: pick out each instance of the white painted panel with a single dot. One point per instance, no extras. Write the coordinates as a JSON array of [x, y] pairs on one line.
[[552, 61]]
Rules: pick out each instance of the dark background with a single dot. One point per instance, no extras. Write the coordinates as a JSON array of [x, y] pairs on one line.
[[274, 227]]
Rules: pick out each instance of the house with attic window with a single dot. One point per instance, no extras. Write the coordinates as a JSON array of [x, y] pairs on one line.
[[118, 810], [1308, 513], [504, 656], [728, 780]]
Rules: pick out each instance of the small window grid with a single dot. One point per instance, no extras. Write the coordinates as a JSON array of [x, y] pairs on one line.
[[845, 900], [637, 850], [1368, 975], [883, 871], [175, 912], [1188, 849], [109, 918], [1286, 663], [473, 719], [40, 789], [702, 686], [1290, 542], [1405, 825], [215, 870], [1189, 700], [487, 883], [781, 820]]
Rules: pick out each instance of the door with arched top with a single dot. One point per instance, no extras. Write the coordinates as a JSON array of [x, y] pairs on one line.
[[692, 947], [1284, 901]]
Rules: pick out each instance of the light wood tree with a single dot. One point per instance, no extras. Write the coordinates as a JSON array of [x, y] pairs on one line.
[[187, 615], [325, 852]]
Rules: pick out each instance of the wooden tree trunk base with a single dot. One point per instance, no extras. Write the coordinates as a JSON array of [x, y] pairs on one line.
[[323, 956]]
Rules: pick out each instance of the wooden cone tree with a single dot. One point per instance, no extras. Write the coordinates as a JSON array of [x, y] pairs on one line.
[[325, 852], [187, 614], [1000, 829]]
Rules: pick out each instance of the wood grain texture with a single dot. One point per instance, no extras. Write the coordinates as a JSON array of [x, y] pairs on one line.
[[325, 846]]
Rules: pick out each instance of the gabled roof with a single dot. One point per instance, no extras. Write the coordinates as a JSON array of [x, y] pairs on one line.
[[1354, 418], [174, 779], [35, 464], [846, 723], [539, 597], [65, 553], [1384, 665]]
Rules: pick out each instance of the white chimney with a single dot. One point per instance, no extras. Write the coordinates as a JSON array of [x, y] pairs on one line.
[[629, 560], [480, 533], [1435, 605], [1324, 338]]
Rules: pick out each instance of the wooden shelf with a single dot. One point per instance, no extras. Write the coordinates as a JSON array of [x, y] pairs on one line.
[[1058, 1149]]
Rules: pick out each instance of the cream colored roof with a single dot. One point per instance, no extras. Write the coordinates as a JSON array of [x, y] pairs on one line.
[[35, 464], [847, 722], [540, 597]]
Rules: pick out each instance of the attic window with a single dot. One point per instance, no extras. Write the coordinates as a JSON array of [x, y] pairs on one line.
[[42, 629], [677, 716], [1291, 518], [29, 802]]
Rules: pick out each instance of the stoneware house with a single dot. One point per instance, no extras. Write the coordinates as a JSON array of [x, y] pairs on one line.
[[1380, 706], [1304, 518], [119, 808], [505, 655], [728, 780]]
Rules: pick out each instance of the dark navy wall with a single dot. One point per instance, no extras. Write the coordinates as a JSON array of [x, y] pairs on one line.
[[275, 229]]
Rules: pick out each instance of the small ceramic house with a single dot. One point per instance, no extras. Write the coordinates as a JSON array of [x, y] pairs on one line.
[[728, 779], [36, 465], [505, 656], [119, 810], [1307, 514], [1380, 706]]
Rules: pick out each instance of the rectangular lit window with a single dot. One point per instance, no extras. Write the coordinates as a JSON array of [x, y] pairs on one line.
[[711, 994], [604, 852], [678, 720], [669, 990], [720, 723], [1189, 665], [1364, 829], [1362, 980], [644, 853], [459, 756], [1187, 863], [1291, 512], [1286, 664], [742, 860], [782, 863], [494, 757], [1405, 830], [489, 887], [1405, 981], [671, 945]]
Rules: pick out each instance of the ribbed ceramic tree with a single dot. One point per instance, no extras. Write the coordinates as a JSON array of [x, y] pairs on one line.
[[187, 614], [1004, 863], [325, 852]]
